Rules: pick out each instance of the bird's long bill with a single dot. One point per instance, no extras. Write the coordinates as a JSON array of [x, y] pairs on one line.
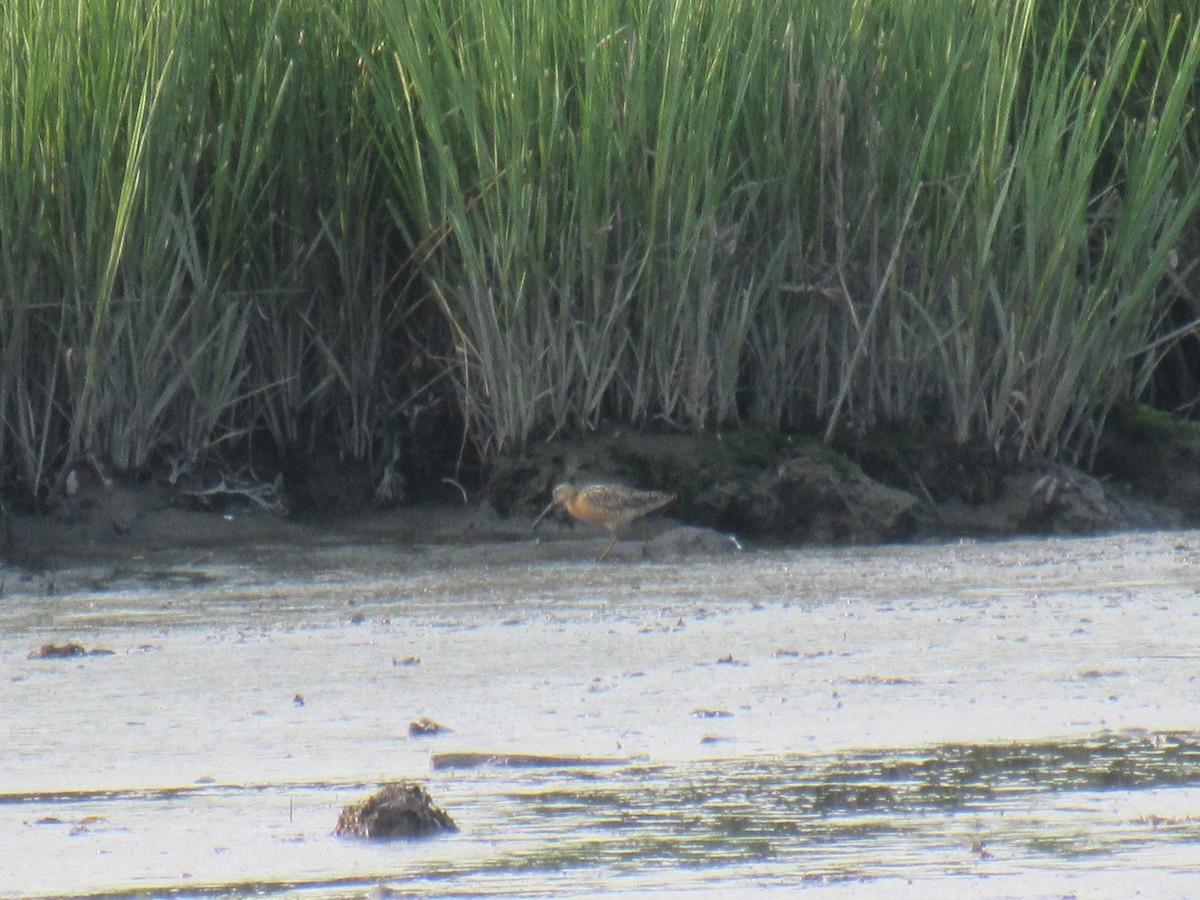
[[543, 515]]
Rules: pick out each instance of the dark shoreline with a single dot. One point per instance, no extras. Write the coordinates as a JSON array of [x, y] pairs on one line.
[[732, 490]]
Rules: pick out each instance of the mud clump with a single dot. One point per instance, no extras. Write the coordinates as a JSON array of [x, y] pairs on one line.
[[399, 810], [57, 651], [426, 727], [473, 760], [66, 651]]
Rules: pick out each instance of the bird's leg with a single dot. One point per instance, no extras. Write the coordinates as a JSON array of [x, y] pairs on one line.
[[611, 544]]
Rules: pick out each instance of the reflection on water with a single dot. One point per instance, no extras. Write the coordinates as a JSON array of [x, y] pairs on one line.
[[765, 823]]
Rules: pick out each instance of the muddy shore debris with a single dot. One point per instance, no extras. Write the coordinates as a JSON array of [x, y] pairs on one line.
[[473, 760], [67, 651], [400, 810], [427, 727]]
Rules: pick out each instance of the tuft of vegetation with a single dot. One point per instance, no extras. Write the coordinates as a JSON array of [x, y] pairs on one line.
[[307, 225]]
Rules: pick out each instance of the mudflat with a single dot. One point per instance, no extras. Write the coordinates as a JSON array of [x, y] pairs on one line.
[[994, 718]]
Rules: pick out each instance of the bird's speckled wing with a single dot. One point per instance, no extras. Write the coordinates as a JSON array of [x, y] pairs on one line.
[[623, 502]]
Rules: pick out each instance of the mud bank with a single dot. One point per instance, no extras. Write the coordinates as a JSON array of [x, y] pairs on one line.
[[729, 488]]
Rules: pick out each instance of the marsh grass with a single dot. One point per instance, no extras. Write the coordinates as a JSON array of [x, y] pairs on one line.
[[194, 246], [839, 214], [283, 221]]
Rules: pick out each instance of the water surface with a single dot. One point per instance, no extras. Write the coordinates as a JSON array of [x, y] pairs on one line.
[[975, 719]]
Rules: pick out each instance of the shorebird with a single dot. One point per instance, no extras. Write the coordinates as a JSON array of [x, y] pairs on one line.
[[608, 505]]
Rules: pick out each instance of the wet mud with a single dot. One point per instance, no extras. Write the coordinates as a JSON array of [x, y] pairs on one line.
[[984, 719]]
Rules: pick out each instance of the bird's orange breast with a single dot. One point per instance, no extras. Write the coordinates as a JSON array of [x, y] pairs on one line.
[[580, 509]]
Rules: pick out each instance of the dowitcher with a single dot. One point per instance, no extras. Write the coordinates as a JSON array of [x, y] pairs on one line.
[[607, 505]]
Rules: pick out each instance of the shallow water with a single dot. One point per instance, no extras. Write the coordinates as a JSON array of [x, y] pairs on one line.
[[975, 719]]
